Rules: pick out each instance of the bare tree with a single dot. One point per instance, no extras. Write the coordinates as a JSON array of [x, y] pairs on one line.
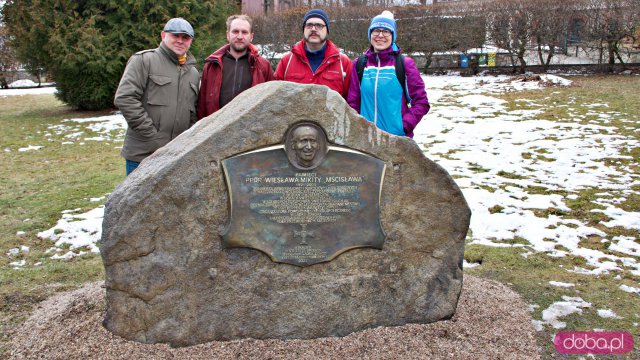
[[551, 27], [609, 22], [349, 27], [278, 32], [440, 28], [510, 25]]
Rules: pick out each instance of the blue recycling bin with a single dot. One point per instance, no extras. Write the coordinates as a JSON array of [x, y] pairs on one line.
[[464, 61]]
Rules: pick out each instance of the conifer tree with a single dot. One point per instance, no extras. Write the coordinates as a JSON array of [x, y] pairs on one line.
[[85, 44]]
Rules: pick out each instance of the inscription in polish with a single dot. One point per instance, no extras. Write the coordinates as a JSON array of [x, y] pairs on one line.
[[311, 199], [304, 217]]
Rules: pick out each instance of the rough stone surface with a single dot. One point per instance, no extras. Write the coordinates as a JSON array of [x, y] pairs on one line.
[[169, 280]]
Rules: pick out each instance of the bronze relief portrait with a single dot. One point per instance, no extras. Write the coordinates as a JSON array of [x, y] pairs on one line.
[[306, 145]]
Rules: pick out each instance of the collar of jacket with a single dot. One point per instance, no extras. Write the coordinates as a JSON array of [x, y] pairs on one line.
[[300, 49], [217, 55], [191, 60], [383, 55]]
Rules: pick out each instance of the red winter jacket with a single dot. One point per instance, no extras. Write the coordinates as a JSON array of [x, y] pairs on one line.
[[209, 98], [295, 67]]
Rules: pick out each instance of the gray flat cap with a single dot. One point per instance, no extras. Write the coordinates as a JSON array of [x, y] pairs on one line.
[[179, 26]]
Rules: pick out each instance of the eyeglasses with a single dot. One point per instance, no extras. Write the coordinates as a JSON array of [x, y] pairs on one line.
[[310, 26], [381, 32]]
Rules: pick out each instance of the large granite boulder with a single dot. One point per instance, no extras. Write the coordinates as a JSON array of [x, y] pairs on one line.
[[170, 279]]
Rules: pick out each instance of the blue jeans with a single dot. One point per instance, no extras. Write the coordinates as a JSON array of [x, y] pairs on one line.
[[131, 165]]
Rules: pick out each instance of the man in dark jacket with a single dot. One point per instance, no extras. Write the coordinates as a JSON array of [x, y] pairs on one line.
[[233, 68], [315, 59], [158, 92]]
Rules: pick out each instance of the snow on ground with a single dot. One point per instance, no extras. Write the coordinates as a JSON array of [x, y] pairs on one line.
[[33, 91], [26, 83], [498, 158], [630, 289], [568, 306], [78, 232], [608, 313], [30, 148], [102, 128], [467, 265], [496, 154]]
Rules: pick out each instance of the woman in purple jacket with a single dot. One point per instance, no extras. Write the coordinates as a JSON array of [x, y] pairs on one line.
[[379, 96]]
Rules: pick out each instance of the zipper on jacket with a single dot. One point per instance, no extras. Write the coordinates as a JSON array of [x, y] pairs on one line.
[[375, 93], [324, 62], [175, 116], [309, 65], [235, 77]]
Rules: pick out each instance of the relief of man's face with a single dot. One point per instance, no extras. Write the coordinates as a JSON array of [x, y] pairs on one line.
[[305, 144]]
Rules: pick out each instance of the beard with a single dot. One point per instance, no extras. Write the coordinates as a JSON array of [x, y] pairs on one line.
[[239, 47]]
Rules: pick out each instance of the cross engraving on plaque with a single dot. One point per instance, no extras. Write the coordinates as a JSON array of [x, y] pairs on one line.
[[303, 234]]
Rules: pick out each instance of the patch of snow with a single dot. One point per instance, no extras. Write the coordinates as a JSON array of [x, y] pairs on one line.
[[23, 83], [18, 264], [561, 284], [16, 251], [32, 91], [628, 220], [467, 265], [626, 245], [30, 148], [630, 289], [102, 124], [556, 80], [608, 314], [76, 230], [568, 306]]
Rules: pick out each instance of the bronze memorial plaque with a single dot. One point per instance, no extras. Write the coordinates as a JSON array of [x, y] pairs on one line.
[[304, 202]]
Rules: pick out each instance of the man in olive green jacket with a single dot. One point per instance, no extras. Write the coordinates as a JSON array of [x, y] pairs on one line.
[[158, 93]]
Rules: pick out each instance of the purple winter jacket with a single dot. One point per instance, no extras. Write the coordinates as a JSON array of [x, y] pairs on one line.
[[419, 105]]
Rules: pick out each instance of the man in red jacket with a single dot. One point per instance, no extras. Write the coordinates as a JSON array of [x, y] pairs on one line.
[[315, 59], [233, 68]]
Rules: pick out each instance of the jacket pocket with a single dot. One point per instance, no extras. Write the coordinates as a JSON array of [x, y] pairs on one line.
[[332, 75], [333, 79], [158, 90], [295, 77]]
